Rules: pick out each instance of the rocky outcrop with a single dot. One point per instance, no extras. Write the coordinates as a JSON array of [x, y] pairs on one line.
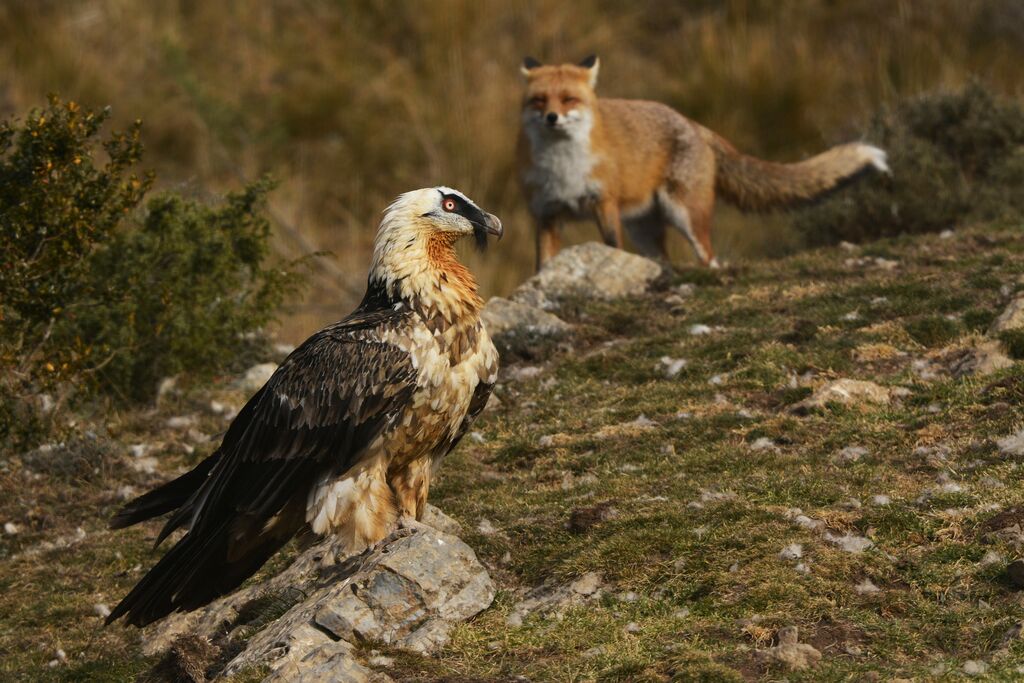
[[302, 624], [589, 270]]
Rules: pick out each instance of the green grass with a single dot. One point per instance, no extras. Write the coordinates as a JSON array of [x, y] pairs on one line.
[[700, 516]]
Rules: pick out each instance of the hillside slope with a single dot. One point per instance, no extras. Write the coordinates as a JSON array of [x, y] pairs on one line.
[[659, 495]]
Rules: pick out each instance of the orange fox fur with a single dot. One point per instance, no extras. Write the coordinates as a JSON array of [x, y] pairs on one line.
[[644, 165]]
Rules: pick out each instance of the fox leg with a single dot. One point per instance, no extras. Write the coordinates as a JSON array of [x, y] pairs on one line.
[[690, 214], [648, 233], [549, 241], [609, 221]]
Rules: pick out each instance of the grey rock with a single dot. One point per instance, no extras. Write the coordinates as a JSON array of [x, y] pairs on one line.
[[591, 270], [1012, 317], [506, 319], [406, 591]]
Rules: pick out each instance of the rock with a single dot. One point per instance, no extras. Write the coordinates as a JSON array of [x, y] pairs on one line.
[[981, 359], [850, 454], [793, 551], [975, 667], [588, 584], [255, 377], [1012, 317], [405, 592], [507, 321], [101, 610], [590, 270], [881, 500], [176, 422], [849, 542], [763, 443], [632, 627], [846, 392], [866, 587], [699, 330], [486, 527], [1012, 445], [11, 529], [672, 366], [794, 655]]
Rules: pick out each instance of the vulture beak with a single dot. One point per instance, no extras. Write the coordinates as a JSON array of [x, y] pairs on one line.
[[485, 224]]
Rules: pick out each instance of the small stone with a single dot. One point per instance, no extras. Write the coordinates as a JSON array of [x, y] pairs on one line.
[[802, 568], [139, 449], [486, 527], [866, 587], [734, 567], [11, 529], [849, 542], [630, 597], [673, 366], [101, 610], [507, 319], [632, 627], [588, 584], [1012, 318], [381, 661], [946, 234], [668, 449], [763, 444], [991, 558], [546, 441], [514, 620], [789, 652], [593, 652], [699, 330], [477, 437], [179, 422], [1012, 444], [975, 667], [793, 551], [880, 500], [716, 380], [850, 454], [681, 613]]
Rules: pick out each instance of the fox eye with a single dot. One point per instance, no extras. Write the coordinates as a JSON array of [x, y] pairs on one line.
[[448, 205], [537, 101], [570, 100]]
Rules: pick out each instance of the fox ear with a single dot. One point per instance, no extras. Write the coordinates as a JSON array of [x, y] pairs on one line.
[[592, 64], [529, 64]]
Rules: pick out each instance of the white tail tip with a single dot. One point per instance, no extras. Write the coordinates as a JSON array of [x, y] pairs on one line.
[[876, 157]]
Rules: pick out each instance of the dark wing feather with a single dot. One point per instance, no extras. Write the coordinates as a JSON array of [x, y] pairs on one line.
[[326, 403]]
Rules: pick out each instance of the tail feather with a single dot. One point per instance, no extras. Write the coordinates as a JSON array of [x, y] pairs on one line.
[[194, 572], [171, 496], [755, 185]]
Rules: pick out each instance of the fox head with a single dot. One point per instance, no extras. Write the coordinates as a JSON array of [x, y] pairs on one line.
[[559, 100]]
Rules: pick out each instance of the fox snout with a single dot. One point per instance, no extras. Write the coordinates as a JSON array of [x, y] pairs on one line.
[[551, 118]]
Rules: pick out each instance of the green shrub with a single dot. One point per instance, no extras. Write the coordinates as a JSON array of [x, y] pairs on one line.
[[1013, 340], [953, 157], [99, 295]]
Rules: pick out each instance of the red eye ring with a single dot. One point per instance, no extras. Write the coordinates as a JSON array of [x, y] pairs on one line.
[[448, 205]]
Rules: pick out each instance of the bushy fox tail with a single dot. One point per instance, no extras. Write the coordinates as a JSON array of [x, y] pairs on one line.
[[756, 185]]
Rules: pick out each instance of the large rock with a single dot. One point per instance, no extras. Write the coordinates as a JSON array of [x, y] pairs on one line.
[[590, 270], [506, 319], [406, 592], [1012, 318]]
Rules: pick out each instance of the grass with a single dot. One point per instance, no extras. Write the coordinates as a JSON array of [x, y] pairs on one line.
[[689, 554]]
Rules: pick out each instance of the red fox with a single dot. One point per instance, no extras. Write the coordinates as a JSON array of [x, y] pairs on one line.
[[644, 165]]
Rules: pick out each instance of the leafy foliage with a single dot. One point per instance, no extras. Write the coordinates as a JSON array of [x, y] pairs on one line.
[[98, 295], [954, 157]]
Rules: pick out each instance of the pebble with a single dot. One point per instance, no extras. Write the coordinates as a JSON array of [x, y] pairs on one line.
[[101, 610], [792, 551], [699, 330], [381, 660], [486, 527], [850, 454], [866, 587], [880, 500], [632, 627], [763, 444], [673, 366], [11, 529], [975, 667]]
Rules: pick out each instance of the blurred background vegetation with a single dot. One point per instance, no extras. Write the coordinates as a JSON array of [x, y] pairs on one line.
[[348, 104]]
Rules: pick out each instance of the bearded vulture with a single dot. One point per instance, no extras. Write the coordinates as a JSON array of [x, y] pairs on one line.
[[344, 436]]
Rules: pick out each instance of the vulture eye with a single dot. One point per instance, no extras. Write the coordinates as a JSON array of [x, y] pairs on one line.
[[448, 204]]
